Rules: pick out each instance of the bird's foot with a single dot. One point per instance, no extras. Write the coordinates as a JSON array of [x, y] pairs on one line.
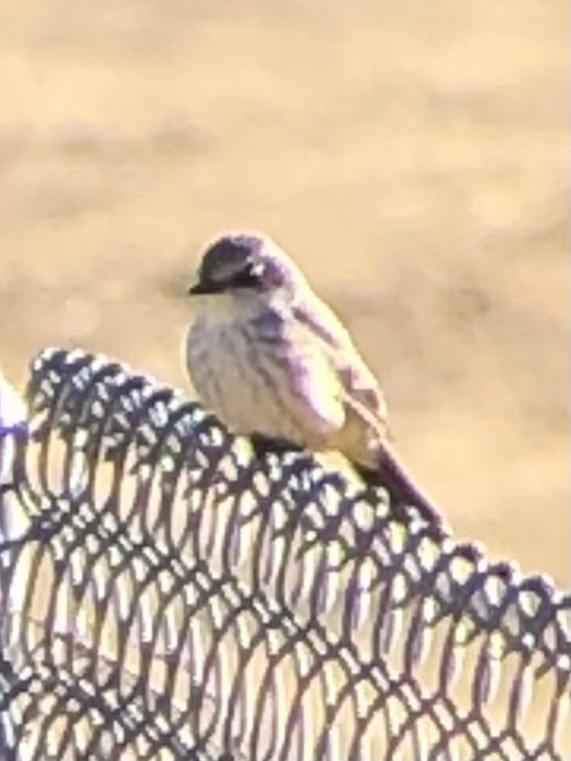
[[263, 445]]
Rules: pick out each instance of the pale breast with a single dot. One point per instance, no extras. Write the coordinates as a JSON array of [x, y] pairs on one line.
[[256, 378], [236, 381]]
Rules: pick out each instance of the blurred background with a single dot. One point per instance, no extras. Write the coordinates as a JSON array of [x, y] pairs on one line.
[[412, 157]]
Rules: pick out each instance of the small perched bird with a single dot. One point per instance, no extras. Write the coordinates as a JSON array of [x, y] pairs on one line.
[[272, 361]]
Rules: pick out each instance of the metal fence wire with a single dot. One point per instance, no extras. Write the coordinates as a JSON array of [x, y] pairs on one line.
[[167, 594]]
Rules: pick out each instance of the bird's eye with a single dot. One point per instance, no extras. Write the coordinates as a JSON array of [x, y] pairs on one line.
[[256, 270], [251, 276]]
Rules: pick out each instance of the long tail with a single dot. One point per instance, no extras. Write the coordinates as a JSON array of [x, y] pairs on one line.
[[404, 492]]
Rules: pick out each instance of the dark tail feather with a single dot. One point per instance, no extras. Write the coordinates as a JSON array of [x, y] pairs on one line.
[[403, 491]]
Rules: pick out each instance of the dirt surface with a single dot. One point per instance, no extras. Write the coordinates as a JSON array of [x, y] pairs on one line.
[[411, 156]]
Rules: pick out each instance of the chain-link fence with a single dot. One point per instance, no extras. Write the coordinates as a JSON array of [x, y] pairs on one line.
[[165, 594]]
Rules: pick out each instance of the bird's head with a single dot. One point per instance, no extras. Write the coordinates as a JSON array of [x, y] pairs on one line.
[[246, 264]]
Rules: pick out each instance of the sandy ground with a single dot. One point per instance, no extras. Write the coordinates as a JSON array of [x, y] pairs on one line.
[[412, 157]]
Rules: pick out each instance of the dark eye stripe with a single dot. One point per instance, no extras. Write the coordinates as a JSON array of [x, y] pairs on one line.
[[246, 279]]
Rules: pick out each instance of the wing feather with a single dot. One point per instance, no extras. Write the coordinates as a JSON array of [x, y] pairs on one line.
[[360, 388]]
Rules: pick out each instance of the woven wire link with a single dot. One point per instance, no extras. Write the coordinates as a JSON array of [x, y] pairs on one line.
[[165, 594]]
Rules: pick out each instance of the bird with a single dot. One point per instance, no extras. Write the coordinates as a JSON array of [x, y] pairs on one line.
[[273, 361]]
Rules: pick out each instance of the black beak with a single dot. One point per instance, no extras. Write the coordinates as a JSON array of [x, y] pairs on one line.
[[202, 288]]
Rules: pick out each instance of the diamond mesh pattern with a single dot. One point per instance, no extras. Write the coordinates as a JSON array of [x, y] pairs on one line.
[[164, 594]]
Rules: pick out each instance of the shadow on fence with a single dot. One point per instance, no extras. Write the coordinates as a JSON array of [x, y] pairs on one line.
[[166, 595]]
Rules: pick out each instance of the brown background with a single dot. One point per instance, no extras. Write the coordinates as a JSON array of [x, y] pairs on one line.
[[412, 157]]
